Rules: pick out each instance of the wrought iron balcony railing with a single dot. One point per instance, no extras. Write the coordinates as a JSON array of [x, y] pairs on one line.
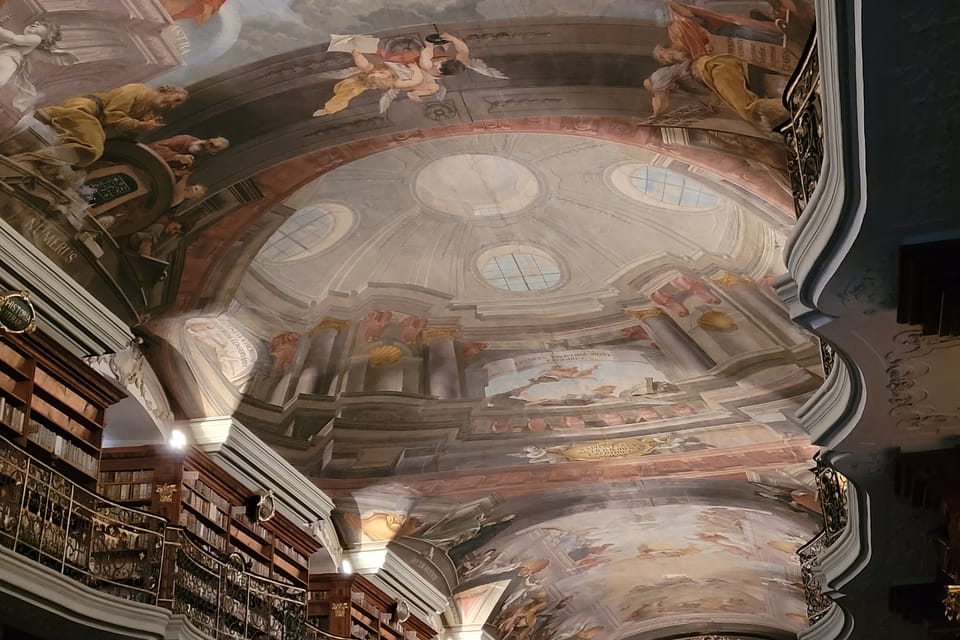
[[135, 555], [832, 489], [224, 600], [804, 131], [60, 525]]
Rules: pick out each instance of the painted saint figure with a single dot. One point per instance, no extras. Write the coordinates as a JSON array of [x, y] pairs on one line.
[[18, 52], [180, 152], [726, 78], [81, 123], [389, 77]]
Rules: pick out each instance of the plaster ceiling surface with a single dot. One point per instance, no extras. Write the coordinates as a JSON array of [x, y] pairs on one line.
[[493, 274]]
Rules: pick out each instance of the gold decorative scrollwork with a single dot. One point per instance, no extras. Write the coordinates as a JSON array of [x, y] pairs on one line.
[[951, 603], [166, 492], [804, 131]]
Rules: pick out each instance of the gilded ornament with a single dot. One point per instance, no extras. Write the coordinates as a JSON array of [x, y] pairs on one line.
[[716, 321], [385, 355], [607, 449], [166, 492], [17, 314], [339, 609]]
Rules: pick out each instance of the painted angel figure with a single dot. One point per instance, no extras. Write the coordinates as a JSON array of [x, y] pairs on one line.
[[389, 77], [19, 52], [408, 65], [447, 55]]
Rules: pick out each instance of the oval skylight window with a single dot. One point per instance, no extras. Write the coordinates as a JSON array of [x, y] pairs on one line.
[[307, 232], [663, 187], [520, 270]]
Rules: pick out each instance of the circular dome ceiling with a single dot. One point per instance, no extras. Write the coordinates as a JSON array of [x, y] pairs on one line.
[[476, 184], [484, 220]]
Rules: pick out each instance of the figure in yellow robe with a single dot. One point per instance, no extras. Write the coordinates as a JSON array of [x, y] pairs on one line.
[[81, 123]]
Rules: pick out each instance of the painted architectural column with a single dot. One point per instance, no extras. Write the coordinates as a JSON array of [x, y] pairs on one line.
[[678, 346], [316, 367], [770, 316], [285, 385], [356, 374], [443, 372], [726, 334]]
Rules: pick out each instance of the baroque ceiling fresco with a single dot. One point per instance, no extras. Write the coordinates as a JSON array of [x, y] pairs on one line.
[[496, 275]]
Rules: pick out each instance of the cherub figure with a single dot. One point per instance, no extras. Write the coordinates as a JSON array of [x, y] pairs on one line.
[[18, 52], [389, 77], [447, 55], [406, 64]]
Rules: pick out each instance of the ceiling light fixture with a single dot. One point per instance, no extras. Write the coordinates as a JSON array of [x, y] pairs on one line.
[[177, 440]]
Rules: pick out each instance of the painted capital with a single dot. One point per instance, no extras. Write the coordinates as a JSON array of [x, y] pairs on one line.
[[728, 280], [329, 323], [439, 332], [642, 314]]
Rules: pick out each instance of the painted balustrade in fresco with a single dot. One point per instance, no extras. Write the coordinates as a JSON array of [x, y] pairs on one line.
[[804, 131]]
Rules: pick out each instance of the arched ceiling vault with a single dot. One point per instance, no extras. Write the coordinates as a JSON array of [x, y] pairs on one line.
[[516, 319]]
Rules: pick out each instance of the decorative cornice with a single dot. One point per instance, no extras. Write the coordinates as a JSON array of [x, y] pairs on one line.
[[65, 310], [834, 625], [390, 573], [834, 410], [257, 466], [834, 212], [71, 603], [849, 552]]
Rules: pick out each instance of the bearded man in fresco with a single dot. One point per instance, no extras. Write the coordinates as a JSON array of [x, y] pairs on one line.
[[82, 123], [180, 152]]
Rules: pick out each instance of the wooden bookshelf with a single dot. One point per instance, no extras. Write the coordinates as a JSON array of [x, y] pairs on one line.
[[52, 404], [189, 489], [352, 606]]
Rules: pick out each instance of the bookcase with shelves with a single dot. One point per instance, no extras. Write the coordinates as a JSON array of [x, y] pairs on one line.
[[352, 606], [52, 404], [189, 489]]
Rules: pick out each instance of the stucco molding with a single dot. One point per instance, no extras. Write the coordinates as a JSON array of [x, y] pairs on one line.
[[257, 466], [47, 590], [831, 221], [65, 310], [379, 564], [835, 409], [835, 625]]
